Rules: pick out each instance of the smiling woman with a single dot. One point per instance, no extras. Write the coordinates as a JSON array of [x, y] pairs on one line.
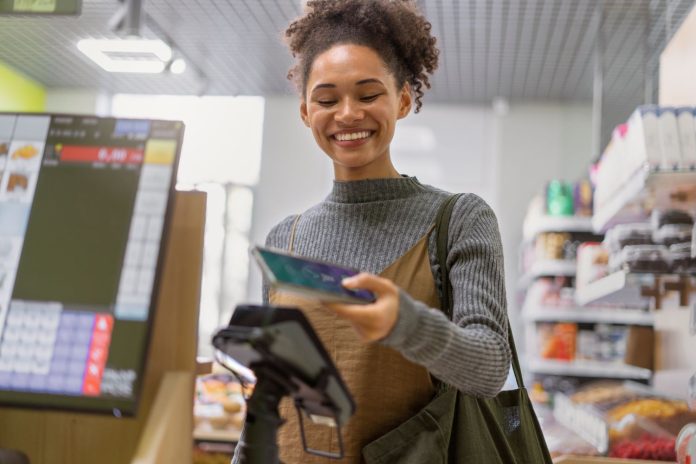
[[361, 67], [353, 116]]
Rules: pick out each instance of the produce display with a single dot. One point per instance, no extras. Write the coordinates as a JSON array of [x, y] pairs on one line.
[[646, 447], [639, 423]]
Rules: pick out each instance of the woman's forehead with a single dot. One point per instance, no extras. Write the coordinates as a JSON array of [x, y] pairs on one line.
[[346, 63]]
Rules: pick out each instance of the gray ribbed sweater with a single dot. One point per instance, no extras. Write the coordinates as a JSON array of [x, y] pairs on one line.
[[368, 224]]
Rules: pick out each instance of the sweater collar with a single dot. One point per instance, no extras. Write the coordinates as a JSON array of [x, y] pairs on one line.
[[368, 190]]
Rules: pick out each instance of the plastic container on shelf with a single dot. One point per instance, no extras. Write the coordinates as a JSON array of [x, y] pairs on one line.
[[681, 258], [671, 234], [635, 437], [660, 218], [686, 445], [645, 258], [619, 236]]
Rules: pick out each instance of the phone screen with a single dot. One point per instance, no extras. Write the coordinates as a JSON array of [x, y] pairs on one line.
[[322, 277]]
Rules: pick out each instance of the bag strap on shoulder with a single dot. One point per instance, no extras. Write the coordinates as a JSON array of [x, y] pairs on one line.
[[442, 234]]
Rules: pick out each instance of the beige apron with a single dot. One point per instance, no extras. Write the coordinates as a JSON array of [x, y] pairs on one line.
[[387, 388]]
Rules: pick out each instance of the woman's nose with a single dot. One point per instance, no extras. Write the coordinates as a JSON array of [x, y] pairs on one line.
[[349, 112]]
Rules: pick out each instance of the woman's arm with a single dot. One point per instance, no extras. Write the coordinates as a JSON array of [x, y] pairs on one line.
[[472, 353]]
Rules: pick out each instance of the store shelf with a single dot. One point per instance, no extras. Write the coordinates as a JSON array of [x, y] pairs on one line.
[[645, 190], [551, 267], [582, 368], [620, 288], [541, 224], [589, 315]]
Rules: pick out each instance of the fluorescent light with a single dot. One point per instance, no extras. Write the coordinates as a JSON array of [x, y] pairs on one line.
[[178, 66], [127, 55]]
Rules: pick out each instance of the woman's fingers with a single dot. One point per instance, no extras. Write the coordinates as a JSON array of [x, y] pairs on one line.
[[371, 282], [372, 321]]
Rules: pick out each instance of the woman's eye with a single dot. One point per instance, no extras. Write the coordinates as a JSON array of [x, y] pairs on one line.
[[326, 102], [370, 98]]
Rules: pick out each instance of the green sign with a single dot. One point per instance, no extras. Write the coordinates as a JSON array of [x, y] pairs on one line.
[[42, 7]]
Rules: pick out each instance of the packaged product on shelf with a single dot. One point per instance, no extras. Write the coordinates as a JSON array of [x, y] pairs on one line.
[[671, 226], [643, 137], [672, 234], [553, 292], [559, 199], [619, 236], [692, 392], [687, 135], [661, 218], [645, 258], [592, 263], [682, 259], [582, 198], [557, 341], [611, 342], [549, 245], [669, 139], [587, 345]]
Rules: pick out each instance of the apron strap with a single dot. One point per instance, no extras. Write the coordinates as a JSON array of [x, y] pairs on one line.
[[291, 240], [442, 223]]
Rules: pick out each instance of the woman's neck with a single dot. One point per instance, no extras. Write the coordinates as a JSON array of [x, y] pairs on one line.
[[380, 169]]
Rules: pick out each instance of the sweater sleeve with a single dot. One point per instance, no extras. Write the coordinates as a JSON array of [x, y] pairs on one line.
[[472, 351]]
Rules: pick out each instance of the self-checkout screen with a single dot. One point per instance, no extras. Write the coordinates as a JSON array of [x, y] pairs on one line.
[[83, 210]]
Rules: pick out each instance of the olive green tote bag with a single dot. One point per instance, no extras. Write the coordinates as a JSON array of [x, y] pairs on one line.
[[459, 428]]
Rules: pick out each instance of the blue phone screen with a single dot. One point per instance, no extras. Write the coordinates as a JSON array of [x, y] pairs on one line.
[[318, 276]]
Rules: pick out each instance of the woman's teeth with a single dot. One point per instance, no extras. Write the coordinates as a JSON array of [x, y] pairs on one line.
[[352, 136]]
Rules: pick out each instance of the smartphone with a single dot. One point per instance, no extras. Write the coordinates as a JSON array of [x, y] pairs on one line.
[[309, 277]]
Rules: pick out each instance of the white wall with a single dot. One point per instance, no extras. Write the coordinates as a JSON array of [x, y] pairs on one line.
[[295, 174], [451, 147], [537, 143], [77, 101]]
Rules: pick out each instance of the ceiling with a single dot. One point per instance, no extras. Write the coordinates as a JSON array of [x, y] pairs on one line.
[[526, 49]]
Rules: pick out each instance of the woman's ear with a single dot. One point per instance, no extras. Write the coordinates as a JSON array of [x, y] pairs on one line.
[[303, 113], [405, 101]]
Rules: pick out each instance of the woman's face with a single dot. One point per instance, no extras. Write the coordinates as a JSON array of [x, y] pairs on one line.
[[352, 104]]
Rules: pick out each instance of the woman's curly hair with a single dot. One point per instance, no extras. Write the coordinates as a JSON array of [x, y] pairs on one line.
[[395, 29]]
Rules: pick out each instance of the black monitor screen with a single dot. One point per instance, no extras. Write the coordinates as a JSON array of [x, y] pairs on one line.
[[83, 207]]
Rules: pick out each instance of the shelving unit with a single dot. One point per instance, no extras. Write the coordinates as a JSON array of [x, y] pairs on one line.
[[646, 189], [549, 267], [583, 368], [541, 224], [619, 288], [636, 290], [588, 315]]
